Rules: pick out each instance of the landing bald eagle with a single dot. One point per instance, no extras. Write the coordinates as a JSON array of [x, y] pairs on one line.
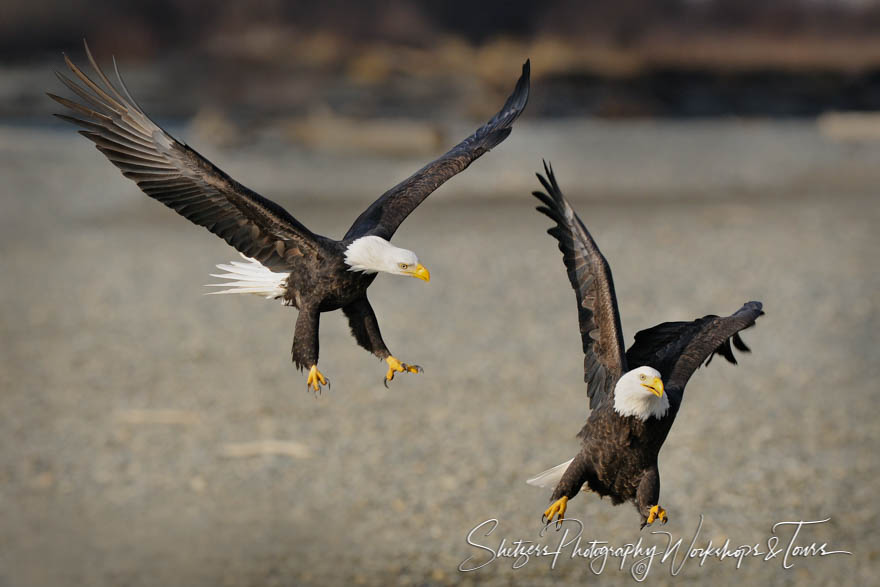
[[634, 395], [283, 259]]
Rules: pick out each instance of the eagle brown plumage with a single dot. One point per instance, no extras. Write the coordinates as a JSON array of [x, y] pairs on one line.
[[284, 259], [634, 395]]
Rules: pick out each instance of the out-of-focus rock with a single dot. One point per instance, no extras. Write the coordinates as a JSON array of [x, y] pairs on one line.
[[855, 127], [326, 132], [212, 125], [268, 447], [373, 65]]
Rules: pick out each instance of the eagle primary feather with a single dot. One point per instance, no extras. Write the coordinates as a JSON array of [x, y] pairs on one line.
[[590, 277], [385, 215], [178, 176]]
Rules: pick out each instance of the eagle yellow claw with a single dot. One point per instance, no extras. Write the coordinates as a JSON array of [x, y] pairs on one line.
[[316, 379], [655, 513], [395, 366], [556, 509]]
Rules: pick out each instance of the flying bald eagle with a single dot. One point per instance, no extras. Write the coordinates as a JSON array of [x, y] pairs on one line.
[[634, 395], [283, 259]]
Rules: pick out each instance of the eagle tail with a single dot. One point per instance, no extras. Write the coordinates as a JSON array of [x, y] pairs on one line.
[[251, 277], [550, 477]]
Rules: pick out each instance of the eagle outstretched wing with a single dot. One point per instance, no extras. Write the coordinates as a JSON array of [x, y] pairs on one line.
[[385, 215], [177, 176], [678, 349], [590, 277]]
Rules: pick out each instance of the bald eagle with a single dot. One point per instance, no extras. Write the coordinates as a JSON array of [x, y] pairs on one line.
[[634, 395], [284, 260]]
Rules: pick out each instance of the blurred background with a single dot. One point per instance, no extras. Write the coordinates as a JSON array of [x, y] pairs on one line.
[[725, 149], [275, 60]]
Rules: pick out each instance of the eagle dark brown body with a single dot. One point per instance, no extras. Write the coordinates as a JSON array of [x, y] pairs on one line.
[[618, 458], [632, 414], [285, 259], [324, 285]]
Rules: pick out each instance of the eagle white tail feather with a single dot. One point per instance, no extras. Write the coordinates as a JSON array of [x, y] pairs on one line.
[[250, 278], [550, 477]]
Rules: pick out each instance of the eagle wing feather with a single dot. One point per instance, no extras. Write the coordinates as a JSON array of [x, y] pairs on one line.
[[590, 277], [385, 215], [179, 177], [678, 349]]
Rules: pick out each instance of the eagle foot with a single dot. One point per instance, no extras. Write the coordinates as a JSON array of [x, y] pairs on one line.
[[655, 513], [395, 366], [556, 509], [316, 380]]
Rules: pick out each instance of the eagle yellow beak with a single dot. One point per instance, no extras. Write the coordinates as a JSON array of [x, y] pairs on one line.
[[421, 273], [656, 386]]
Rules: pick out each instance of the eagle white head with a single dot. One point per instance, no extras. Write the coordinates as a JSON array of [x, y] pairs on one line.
[[371, 254], [640, 393]]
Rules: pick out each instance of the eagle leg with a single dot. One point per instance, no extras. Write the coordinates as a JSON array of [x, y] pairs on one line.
[[655, 513], [305, 347], [395, 366], [316, 379], [557, 508]]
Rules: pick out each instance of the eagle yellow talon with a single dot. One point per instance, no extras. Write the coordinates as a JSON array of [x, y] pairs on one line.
[[316, 379], [656, 513], [395, 366], [557, 509]]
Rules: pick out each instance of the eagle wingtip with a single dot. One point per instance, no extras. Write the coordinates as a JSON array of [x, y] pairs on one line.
[[517, 101], [754, 306]]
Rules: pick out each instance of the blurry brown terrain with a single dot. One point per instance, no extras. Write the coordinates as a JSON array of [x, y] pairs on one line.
[[634, 58]]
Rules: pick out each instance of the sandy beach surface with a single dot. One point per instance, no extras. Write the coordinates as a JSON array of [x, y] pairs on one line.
[[155, 436]]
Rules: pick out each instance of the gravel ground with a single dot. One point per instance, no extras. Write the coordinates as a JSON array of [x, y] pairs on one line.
[[137, 414]]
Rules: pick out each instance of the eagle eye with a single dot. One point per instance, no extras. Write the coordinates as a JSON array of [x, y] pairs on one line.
[[643, 377], [403, 266]]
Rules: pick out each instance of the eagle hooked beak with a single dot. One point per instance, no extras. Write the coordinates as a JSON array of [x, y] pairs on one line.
[[656, 386], [421, 273]]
